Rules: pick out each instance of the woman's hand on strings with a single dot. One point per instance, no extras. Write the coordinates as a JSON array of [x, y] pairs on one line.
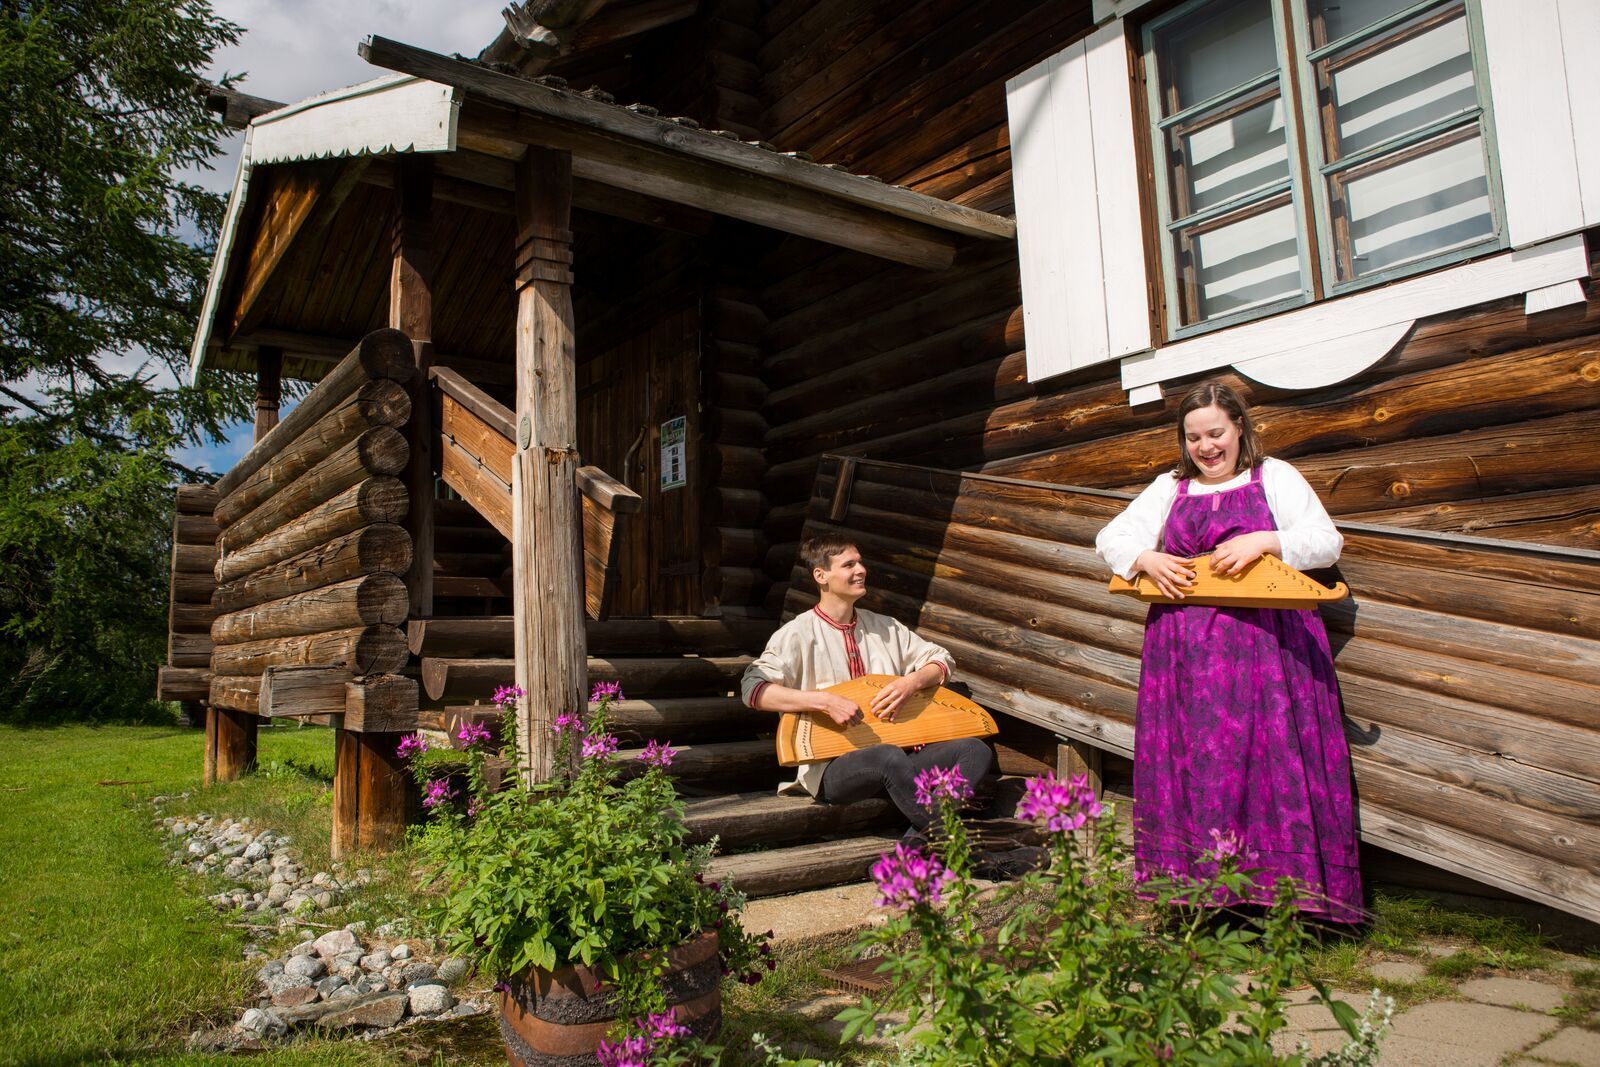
[[1172, 574], [1237, 553]]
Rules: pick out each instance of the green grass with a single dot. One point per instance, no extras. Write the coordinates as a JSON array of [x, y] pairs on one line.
[[107, 953]]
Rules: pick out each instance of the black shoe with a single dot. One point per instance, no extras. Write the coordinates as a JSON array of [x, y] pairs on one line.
[[1014, 863]]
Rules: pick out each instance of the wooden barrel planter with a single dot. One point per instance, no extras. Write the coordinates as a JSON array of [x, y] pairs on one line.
[[558, 1018]]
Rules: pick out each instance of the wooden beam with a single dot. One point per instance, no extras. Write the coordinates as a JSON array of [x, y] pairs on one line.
[[547, 601], [301, 203], [411, 312], [269, 391], [293, 691], [537, 32]]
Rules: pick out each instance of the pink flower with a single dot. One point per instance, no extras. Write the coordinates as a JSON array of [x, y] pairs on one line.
[[606, 691], [599, 746], [472, 733], [1225, 846], [508, 694], [629, 1052], [665, 1026], [1061, 806], [411, 745], [906, 878], [437, 792], [936, 784], [567, 722], [656, 754]]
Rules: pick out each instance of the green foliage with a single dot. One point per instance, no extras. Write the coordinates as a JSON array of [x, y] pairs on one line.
[[102, 260]]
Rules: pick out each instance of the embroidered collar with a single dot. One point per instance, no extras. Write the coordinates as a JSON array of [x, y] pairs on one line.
[[835, 623]]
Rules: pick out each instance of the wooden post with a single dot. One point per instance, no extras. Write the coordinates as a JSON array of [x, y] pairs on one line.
[[346, 793], [1074, 758], [546, 518], [373, 794], [208, 759], [235, 733], [269, 390], [411, 312]]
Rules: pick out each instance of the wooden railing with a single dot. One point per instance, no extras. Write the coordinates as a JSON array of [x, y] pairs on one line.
[[476, 448], [1469, 669]]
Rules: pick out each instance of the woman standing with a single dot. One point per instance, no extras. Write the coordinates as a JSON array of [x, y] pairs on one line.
[[1239, 728]]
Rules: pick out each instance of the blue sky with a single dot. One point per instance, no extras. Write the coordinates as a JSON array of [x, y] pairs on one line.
[[293, 49]]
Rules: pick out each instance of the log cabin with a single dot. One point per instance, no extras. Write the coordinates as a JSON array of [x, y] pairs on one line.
[[599, 323]]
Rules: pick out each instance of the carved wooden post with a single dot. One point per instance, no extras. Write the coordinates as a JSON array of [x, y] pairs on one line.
[[269, 390], [411, 312], [547, 582]]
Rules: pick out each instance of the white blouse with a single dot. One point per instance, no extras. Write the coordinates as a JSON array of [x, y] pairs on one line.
[[1306, 533]]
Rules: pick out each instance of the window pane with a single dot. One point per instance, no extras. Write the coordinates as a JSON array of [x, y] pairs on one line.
[[1216, 48], [1424, 205], [1240, 264], [1225, 158], [1334, 19], [1422, 78]]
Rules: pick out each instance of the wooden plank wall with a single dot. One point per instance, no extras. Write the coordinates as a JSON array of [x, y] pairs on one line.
[[187, 673], [1474, 423], [310, 550], [1469, 670]]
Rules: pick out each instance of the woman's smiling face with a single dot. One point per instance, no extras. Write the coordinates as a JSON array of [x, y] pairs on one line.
[[1212, 439]]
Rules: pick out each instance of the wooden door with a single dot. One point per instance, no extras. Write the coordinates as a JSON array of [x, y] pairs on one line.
[[629, 395]]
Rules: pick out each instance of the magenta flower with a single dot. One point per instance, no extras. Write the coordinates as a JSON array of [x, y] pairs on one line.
[[599, 746], [437, 792], [665, 1026], [606, 691], [508, 694], [472, 733], [1230, 845], [567, 722], [656, 754], [629, 1052], [411, 745], [907, 878], [1061, 805], [937, 783]]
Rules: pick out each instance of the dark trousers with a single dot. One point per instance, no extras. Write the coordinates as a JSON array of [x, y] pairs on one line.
[[877, 769]]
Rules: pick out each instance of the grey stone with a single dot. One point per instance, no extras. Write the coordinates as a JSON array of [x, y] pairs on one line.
[[453, 970], [323, 899], [305, 967], [295, 996], [348, 972], [337, 943], [1513, 993], [358, 927], [430, 999], [348, 992], [1572, 1045], [306, 1014], [371, 983], [415, 972], [261, 1023], [319, 879], [1390, 971], [200, 848], [221, 1040], [329, 984], [304, 948], [375, 961], [401, 951], [277, 893], [380, 1009], [280, 982], [1457, 1027], [254, 851], [269, 969]]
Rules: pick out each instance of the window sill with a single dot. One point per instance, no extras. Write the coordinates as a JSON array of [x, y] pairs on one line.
[[1325, 343]]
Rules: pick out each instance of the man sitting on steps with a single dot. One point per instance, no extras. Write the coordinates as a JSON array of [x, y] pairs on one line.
[[834, 642]]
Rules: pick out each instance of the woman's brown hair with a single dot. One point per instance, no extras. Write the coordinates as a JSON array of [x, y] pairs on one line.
[[1208, 394]]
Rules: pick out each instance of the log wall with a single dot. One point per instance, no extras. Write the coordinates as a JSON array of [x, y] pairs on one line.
[[187, 673], [1469, 669], [310, 546]]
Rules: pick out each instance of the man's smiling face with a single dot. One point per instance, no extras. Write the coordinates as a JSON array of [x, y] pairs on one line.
[[845, 576]]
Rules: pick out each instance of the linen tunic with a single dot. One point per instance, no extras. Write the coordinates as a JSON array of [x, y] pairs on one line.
[[808, 652]]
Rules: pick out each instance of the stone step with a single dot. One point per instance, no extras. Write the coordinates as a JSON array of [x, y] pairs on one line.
[[490, 636], [457, 681], [800, 867], [739, 819]]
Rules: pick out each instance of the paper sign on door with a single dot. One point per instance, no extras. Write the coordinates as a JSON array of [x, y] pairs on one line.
[[674, 453]]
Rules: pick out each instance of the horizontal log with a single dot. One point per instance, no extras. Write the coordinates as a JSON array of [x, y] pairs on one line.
[[1568, 517], [737, 819], [194, 530], [379, 500], [724, 762], [731, 426], [183, 683], [792, 870], [362, 650], [733, 547], [370, 600], [606, 491], [193, 559], [236, 692], [383, 354], [190, 587], [375, 453], [726, 506], [741, 392], [313, 689], [381, 704], [383, 548], [491, 636], [461, 680], [738, 466], [374, 404], [190, 618], [196, 499], [189, 650]]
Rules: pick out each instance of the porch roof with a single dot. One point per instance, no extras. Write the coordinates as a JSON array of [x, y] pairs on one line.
[[627, 161]]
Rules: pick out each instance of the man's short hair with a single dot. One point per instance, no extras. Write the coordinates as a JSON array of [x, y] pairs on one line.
[[818, 552]]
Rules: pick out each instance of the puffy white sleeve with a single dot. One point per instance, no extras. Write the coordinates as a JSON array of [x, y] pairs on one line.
[[1138, 528], [1305, 531]]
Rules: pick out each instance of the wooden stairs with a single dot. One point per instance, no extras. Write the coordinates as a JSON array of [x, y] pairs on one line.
[[681, 679]]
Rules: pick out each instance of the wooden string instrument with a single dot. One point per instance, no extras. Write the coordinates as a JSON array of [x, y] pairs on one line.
[[1267, 583], [931, 715]]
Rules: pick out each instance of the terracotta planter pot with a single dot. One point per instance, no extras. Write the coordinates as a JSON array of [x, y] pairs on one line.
[[550, 1018]]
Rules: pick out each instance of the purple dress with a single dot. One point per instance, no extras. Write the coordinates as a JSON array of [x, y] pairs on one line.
[[1239, 731]]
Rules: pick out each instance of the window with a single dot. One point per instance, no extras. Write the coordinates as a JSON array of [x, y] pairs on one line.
[[1306, 149]]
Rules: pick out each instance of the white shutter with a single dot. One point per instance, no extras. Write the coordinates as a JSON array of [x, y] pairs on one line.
[[1075, 177], [1542, 86]]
